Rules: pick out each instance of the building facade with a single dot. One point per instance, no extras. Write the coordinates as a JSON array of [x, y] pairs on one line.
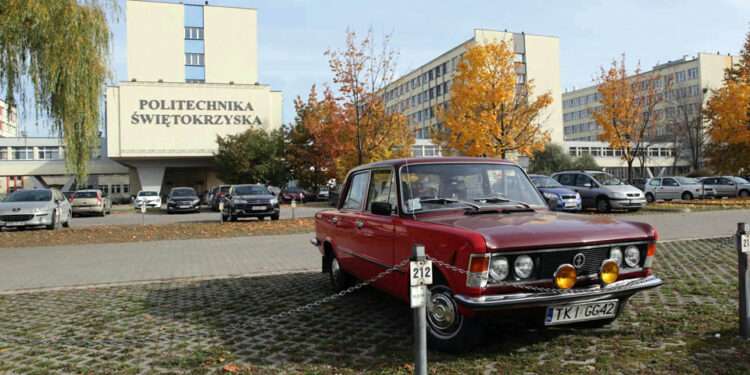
[[192, 76], [8, 120], [687, 84], [417, 93]]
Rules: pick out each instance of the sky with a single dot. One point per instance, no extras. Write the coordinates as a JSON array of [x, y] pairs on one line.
[[293, 34]]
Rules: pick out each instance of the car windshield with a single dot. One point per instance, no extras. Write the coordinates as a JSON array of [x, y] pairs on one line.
[[323, 188], [184, 193], [224, 189], [30, 196], [740, 180], [607, 179], [426, 187], [250, 190], [545, 182], [687, 181], [85, 194], [148, 194]]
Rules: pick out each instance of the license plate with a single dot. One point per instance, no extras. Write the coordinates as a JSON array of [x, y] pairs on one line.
[[580, 312], [259, 208], [15, 223], [185, 206], [570, 204]]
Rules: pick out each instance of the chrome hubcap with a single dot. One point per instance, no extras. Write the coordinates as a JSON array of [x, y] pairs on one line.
[[335, 269], [443, 313]]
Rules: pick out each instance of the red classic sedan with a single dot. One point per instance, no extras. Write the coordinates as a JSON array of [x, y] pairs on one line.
[[500, 255]]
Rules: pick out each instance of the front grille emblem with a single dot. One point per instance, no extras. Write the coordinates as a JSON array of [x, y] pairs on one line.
[[16, 209], [579, 260]]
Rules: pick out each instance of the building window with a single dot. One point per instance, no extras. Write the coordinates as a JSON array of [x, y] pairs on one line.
[[694, 90], [416, 151], [194, 33], [692, 73], [48, 153], [23, 153], [126, 188], [3, 153], [680, 76], [104, 189], [194, 59], [116, 189]]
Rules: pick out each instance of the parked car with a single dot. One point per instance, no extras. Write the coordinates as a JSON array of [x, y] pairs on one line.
[[293, 193], [90, 202], [333, 195], [35, 207], [602, 190], [567, 200], [210, 195], [147, 197], [640, 183], [182, 199], [728, 186], [685, 188], [219, 195], [251, 201], [320, 193], [488, 222]]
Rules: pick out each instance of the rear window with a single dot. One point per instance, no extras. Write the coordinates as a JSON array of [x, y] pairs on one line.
[[85, 194], [147, 194]]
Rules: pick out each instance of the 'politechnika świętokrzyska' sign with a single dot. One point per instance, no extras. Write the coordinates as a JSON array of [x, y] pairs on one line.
[[173, 112]]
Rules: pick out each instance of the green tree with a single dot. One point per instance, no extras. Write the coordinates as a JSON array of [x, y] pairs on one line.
[[58, 50], [586, 162], [254, 156], [550, 160]]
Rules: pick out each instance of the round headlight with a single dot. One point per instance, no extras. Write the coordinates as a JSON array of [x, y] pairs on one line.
[[616, 255], [523, 266], [632, 256], [499, 268], [608, 272], [549, 195], [565, 276]]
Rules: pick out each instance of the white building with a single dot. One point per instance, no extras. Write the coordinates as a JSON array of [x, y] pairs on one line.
[[8, 120]]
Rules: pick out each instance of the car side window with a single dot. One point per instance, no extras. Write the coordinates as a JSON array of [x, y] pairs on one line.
[[382, 188], [356, 194], [566, 179], [670, 182], [724, 181], [655, 182], [582, 180], [708, 181]]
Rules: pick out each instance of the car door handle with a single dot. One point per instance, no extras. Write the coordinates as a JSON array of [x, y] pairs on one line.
[[359, 224], [335, 220]]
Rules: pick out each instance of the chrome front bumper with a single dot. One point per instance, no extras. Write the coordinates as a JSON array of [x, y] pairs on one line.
[[586, 294]]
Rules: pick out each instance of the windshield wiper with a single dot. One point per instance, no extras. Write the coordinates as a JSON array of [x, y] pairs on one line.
[[491, 200], [445, 200]]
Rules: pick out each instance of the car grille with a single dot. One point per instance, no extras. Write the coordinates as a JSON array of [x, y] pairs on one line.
[[552, 260], [568, 197], [256, 202], [16, 217]]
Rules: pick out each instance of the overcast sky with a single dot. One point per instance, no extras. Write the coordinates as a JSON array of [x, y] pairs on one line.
[[293, 34]]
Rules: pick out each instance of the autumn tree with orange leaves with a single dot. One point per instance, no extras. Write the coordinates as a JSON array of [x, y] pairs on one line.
[[489, 113], [627, 113], [728, 116], [362, 70]]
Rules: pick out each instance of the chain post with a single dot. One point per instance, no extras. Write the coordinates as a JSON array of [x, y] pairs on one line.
[[420, 315], [742, 244]]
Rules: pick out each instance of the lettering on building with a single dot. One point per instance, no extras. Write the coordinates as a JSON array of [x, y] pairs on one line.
[[145, 116]]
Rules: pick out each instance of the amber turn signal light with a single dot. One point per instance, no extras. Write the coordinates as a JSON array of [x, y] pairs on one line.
[[479, 264], [608, 272], [565, 276]]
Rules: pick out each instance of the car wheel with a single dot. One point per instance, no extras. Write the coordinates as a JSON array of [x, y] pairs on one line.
[[602, 205], [169, 212], [686, 196], [104, 212], [744, 193], [634, 209], [447, 329], [275, 217], [340, 280], [66, 224], [650, 198], [233, 217], [55, 224]]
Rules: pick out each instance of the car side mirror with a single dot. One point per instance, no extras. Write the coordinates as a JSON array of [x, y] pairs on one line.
[[552, 203], [381, 208]]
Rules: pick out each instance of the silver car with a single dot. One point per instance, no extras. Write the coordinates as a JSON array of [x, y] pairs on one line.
[[728, 186], [35, 207], [602, 190], [685, 188]]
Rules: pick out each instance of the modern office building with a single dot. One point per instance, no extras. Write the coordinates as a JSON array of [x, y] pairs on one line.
[[418, 92], [192, 76], [8, 120], [689, 81]]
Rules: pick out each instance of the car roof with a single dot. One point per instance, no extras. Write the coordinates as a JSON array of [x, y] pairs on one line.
[[397, 163], [183, 187], [87, 190]]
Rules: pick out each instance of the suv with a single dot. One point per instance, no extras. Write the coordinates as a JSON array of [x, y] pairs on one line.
[[602, 190], [498, 253], [250, 201], [728, 186], [668, 188], [183, 199]]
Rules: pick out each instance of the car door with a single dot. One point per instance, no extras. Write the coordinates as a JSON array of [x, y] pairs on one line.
[[375, 233], [348, 245], [63, 206], [654, 187], [728, 187], [587, 188], [710, 182], [670, 189]]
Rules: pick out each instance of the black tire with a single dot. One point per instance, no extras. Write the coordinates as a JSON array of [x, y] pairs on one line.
[[169, 212], [744, 194], [603, 322], [602, 205], [275, 217], [55, 224], [66, 224], [104, 212], [650, 198], [340, 280], [447, 329], [233, 218], [686, 196]]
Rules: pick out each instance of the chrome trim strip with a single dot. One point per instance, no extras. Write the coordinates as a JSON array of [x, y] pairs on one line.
[[590, 293], [369, 260]]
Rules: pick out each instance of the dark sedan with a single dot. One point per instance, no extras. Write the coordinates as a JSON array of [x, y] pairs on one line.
[[183, 199], [251, 201]]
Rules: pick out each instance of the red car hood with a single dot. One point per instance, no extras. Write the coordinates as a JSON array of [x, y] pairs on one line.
[[516, 231]]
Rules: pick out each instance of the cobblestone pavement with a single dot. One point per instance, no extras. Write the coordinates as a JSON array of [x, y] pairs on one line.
[[366, 332]]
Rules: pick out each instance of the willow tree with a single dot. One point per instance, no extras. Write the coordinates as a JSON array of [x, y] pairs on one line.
[[57, 51]]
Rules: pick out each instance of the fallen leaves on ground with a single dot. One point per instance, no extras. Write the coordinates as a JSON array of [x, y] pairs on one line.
[[231, 368], [153, 232]]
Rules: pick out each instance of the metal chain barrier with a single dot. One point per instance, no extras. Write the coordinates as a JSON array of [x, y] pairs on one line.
[[204, 332]]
